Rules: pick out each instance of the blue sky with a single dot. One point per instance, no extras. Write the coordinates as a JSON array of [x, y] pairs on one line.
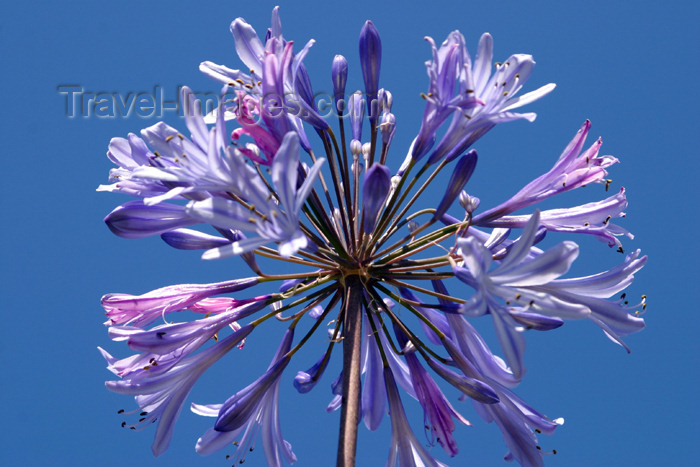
[[628, 67]]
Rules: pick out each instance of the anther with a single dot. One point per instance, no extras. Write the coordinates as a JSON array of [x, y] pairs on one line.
[[167, 140], [120, 411], [620, 250]]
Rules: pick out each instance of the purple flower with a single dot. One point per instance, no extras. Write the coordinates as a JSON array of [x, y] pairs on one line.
[[450, 89], [272, 224], [405, 449], [139, 310], [438, 412], [591, 218], [249, 411], [592, 291], [370, 249], [511, 283], [159, 394], [572, 170], [496, 94], [518, 423]]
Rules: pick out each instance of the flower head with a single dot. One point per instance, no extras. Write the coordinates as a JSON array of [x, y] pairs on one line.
[[372, 266]]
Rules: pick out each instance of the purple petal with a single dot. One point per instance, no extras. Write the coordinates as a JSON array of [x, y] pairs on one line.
[[460, 176], [375, 189], [187, 239], [134, 219], [248, 46]]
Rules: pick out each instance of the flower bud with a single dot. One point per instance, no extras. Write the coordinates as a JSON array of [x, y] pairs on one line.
[[462, 172], [370, 60], [356, 110], [388, 128], [469, 203]]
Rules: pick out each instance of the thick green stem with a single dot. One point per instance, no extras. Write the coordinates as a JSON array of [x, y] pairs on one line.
[[352, 342]]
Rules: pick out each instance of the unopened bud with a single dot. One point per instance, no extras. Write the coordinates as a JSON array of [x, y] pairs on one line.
[[386, 100], [469, 203], [388, 128], [355, 148]]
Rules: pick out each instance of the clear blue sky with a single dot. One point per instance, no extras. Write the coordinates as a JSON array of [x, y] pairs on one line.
[[630, 67]]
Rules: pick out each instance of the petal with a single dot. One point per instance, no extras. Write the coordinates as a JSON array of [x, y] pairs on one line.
[[188, 239], [544, 268], [284, 170], [248, 46], [522, 246]]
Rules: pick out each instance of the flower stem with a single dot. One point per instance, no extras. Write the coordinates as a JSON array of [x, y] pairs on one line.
[[352, 342]]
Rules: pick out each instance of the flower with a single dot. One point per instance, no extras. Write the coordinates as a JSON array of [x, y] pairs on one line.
[[405, 448], [511, 282], [160, 394], [248, 411], [143, 309], [372, 266]]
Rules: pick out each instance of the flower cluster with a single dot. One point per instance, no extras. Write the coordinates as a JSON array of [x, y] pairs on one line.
[[369, 264]]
